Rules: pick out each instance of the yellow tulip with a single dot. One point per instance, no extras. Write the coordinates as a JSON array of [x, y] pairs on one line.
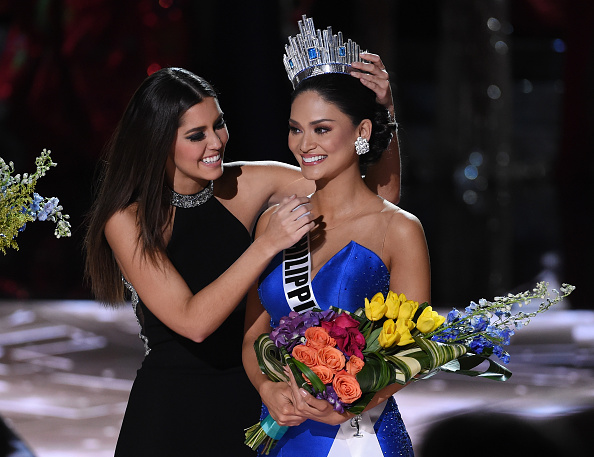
[[429, 320], [376, 309], [408, 309], [405, 323], [405, 337], [389, 335], [393, 304]]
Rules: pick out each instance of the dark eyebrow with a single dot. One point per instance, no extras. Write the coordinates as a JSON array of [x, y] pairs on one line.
[[319, 121], [203, 127]]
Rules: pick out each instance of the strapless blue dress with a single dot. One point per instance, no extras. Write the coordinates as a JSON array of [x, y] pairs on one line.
[[350, 276]]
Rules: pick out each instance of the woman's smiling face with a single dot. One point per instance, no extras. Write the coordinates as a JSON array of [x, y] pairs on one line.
[[321, 137], [197, 153]]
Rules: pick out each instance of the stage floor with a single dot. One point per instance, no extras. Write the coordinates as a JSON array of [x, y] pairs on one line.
[[66, 368]]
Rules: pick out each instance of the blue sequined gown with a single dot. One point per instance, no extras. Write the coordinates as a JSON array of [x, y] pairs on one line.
[[344, 281]]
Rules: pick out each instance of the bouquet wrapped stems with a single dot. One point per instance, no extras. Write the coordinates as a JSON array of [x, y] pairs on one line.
[[266, 433]]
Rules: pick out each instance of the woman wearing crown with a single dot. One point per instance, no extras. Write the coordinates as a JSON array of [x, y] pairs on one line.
[[361, 245], [174, 222]]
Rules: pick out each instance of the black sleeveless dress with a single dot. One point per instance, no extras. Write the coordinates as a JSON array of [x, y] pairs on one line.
[[193, 399]]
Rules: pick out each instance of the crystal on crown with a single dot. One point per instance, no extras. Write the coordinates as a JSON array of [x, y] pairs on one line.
[[314, 52]]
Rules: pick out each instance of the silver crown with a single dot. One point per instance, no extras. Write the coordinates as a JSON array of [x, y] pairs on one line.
[[314, 52]]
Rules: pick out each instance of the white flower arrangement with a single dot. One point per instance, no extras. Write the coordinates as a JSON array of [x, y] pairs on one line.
[[19, 203]]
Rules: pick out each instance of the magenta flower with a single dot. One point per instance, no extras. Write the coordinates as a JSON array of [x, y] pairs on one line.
[[345, 330]]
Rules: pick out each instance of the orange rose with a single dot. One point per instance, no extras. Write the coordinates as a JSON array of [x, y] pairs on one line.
[[305, 354], [318, 338], [354, 365], [332, 358], [346, 387], [324, 373]]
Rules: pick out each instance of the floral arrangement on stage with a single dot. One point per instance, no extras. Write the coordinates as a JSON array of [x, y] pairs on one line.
[[19, 203], [346, 358]]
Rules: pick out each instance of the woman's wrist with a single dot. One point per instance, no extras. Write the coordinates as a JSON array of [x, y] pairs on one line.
[[263, 386], [265, 249]]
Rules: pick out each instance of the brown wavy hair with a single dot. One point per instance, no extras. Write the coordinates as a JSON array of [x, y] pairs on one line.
[[133, 171]]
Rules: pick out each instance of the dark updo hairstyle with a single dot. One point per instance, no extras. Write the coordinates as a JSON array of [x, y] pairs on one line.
[[358, 103], [134, 172]]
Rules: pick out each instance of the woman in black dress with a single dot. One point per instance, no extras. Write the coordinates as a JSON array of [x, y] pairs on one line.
[[174, 230]]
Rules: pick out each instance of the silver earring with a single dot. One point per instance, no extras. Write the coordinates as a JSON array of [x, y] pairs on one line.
[[361, 146]]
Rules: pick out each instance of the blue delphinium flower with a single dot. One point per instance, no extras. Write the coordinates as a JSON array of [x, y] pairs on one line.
[[453, 316], [35, 204], [48, 209], [479, 344], [519, 324], [470, 308], [479, 323]]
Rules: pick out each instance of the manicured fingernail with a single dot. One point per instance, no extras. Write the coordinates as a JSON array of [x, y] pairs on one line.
[[303, 392]]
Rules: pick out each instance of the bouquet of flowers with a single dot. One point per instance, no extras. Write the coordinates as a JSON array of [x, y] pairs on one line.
[[346, 358], [19, 203]]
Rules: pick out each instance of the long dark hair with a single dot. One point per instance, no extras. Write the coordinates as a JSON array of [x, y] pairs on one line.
[[134, 172], [358, 103]]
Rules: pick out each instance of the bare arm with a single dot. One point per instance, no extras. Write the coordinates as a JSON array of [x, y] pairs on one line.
[[276, 396], [167, 295], [406, 246], [383, 177]]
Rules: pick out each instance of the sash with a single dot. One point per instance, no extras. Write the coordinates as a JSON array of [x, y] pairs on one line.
[[297, 277], [357, 437]]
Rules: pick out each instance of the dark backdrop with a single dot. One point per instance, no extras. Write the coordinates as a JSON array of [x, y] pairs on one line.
[[494, 99]]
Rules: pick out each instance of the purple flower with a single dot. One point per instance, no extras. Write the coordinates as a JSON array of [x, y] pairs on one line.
[[331, 397], [291, 329]]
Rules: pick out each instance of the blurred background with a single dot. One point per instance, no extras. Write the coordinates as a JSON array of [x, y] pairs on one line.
[[495, 100]]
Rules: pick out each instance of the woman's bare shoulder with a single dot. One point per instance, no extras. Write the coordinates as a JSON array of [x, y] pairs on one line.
[[122, 220], [275, 180], [402, 223], [262, 168]]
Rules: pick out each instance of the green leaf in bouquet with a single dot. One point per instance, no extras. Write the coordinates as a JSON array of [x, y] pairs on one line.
[[375, 375], [316, 382], [270, 358], [292, 364], [358, 315], [440, 353], [408, 363], [372, 342], [468, 362], [420, 309]]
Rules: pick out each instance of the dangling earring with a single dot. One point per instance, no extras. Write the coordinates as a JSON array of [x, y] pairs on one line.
[[361, 146]]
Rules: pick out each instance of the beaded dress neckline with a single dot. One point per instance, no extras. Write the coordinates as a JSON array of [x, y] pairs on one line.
[[191, 201]]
